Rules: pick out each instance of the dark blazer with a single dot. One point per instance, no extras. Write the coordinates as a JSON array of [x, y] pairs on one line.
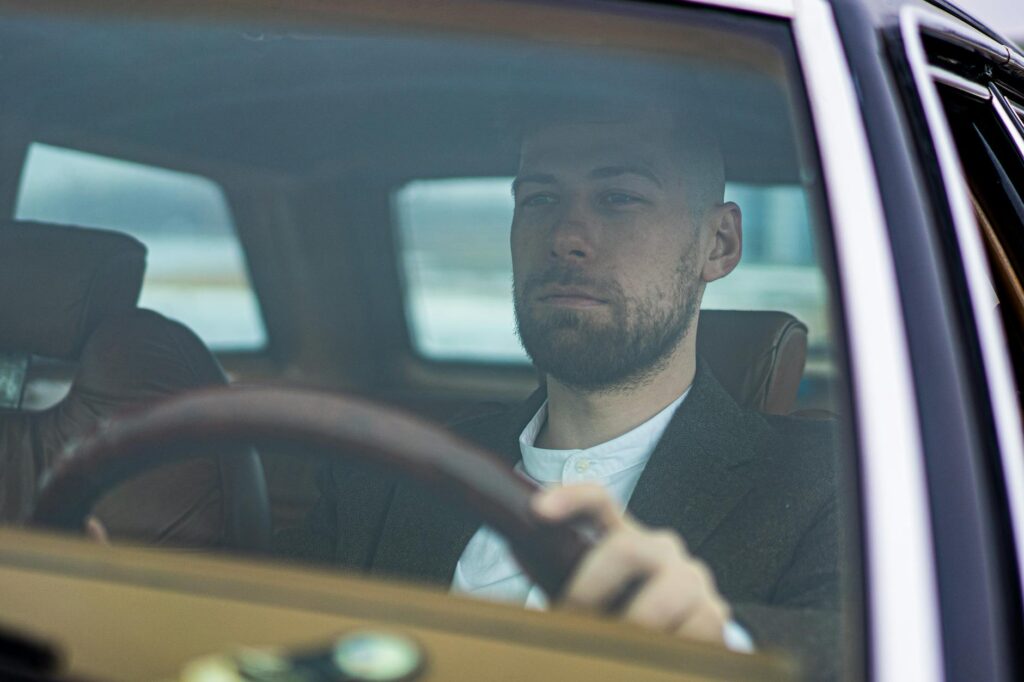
[[752, 495]]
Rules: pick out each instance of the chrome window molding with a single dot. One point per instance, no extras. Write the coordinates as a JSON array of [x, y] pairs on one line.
[[905, 640], [952, 31], [1007, 118], [955, 33], [995, 355], [1011, 116], [966, 37], [775, 8], [1013, 461], [1016, 63], [968, 87]]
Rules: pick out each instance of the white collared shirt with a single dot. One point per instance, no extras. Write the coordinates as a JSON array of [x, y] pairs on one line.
[[487, 568]]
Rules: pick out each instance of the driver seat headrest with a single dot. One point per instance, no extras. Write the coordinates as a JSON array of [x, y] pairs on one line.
[[758, 356]]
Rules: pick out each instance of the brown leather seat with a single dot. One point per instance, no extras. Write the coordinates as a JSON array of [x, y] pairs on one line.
[[758, 356], [70, 294]]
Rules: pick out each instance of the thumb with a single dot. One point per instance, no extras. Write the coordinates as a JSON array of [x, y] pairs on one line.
[[96, 531]]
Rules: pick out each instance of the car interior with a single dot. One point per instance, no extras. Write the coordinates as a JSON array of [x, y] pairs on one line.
[[320, 198], [309, 154], [274, 200]]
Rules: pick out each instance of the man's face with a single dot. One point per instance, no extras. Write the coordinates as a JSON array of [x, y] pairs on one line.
[[606, 256]]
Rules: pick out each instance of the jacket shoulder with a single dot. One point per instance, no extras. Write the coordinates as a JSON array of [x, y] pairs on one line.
[[808, 448]]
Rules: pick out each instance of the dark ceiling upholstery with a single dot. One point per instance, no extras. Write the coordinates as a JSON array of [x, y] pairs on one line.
[[403, 105]]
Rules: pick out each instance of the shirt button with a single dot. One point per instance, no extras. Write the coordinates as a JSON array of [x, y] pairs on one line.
[[582, 465]]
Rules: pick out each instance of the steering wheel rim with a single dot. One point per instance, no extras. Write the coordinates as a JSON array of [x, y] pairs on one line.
[[189, 425]]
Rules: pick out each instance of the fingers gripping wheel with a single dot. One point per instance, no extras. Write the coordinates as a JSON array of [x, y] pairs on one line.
[[315, 424]]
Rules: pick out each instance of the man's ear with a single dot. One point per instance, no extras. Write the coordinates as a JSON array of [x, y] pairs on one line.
[[725, 221]]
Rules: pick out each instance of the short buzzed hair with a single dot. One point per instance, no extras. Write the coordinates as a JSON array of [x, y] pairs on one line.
[[700, 153]]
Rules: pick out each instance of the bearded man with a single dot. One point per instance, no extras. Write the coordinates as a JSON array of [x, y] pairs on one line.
[[730, 527]]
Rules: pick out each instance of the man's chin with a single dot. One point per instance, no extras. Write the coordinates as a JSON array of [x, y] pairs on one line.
[[578, 369], [580, 355], [558, 334]]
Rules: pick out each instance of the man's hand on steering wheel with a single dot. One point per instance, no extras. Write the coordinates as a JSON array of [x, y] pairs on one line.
[[676, 593]]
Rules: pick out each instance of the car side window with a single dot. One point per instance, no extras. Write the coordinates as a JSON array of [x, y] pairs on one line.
[[196, 272], [458, 302], [683, 160]]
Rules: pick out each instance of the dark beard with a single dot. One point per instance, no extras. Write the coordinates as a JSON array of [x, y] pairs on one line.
[[608, 355]]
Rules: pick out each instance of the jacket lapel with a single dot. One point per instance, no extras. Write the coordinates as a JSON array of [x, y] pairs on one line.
[[424, 534], [704, 464]]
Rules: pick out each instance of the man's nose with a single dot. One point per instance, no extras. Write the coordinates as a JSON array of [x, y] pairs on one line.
[[571, 235]]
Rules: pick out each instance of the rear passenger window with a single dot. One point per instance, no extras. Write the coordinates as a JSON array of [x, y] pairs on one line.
[[196, 269], [458, 301]]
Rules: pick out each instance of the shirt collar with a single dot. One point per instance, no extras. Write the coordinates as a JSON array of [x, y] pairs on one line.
[[631, 449]]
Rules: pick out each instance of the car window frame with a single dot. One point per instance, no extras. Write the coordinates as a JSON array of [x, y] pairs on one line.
[[902, 634], [993, 409], [989, 328]]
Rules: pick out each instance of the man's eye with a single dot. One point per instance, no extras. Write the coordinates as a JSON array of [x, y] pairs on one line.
[[620, 199], [539, 199]]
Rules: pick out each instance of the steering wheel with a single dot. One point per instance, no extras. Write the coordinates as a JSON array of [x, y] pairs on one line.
[[318, 424]]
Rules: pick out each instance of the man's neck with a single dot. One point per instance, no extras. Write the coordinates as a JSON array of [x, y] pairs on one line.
[[581, 419]]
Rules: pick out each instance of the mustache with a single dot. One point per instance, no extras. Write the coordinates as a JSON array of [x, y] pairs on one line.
[[562, 275]]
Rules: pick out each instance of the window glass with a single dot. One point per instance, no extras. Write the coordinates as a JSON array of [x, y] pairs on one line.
[[672, 149], [195, 271], [458, 300]]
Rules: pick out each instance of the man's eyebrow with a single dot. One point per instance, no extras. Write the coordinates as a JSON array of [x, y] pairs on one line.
[[613, 171], [542, 178]]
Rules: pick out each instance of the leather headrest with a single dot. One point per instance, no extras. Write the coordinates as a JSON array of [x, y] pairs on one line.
[[57, 283], [757, 356]]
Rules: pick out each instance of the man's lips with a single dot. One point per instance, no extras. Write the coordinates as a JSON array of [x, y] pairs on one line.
[[570, 297]]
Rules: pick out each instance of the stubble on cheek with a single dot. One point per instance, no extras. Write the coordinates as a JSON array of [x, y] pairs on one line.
[[611, 347]]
